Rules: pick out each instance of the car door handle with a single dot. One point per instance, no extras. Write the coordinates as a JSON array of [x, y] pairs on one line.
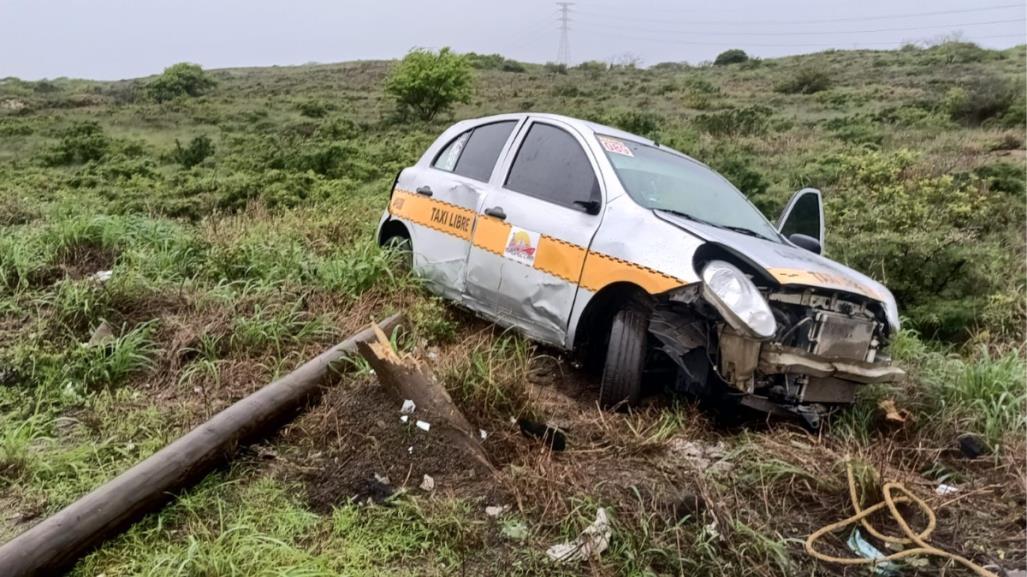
[[425, 190], [496, 212]]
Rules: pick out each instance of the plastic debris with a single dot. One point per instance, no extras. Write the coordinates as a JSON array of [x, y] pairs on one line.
[[589, 544], [427, 483], [892, 413], [383, 479], [973, 446], [483, 434], [496, 510], [408, 407], [944, 489], [101, 336], [101, 275], [860, 546], [551, 436], [514, 529], [423, 425], [404, 418]]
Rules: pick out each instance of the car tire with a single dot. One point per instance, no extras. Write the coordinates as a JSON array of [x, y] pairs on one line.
[[621, 384]]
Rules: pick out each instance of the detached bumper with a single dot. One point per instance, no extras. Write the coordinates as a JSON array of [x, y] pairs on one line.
[[776, 359]]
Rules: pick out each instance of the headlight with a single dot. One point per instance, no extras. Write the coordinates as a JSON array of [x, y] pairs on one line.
[[737, 300]]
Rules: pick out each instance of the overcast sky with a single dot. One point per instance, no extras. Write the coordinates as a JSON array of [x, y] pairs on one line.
[[111, 39]]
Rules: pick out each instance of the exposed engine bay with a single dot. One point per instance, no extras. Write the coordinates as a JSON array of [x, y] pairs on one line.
[[825, 346]]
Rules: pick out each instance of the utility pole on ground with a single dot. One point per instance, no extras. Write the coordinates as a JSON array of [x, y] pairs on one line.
[[563, 54]]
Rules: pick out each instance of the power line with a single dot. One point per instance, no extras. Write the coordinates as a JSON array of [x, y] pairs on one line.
[[819, 33], [563, 54], [622, 17]]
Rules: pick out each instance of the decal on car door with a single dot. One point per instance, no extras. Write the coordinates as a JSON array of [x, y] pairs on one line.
[[569, 262]]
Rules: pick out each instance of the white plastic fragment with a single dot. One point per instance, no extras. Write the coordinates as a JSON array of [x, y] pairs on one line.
[[404, 418], [408, 407], [496, 510], [427, 483], [410, 449], [944, 489], [589, 544], [860, 546], [483, 434], [423, 425], [384, 480], [102, 275]]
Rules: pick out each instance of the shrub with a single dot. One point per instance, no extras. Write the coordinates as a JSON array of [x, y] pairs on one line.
[[733, 56], [807, 80], [593, 68], [555, 68], [81, 142], [198, 149], [737, 167], [751, 120], [182, 79], [641, 122], [313, 109], [426, 83], [493, 62], [988, 98]]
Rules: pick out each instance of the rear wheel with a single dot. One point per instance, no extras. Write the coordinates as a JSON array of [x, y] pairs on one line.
[[625, 359]]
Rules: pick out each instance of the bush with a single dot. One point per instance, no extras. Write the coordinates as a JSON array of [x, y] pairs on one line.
[[737, 167], [748, 121], [555, 68], [641, 122], [989, 98], [733, 56], [426, 83], [81, 142], [594, 69], [182, 79], [493, 62], [198, 149], [806, 80]]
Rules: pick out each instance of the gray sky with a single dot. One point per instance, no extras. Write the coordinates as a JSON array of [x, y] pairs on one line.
[[111, 39]]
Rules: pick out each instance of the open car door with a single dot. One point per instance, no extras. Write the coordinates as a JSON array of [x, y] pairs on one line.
[[802, 221]]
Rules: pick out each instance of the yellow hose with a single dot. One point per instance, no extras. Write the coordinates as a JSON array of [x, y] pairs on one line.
[[911, 537]]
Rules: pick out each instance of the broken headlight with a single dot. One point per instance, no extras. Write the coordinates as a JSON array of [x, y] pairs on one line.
[[737, 300]]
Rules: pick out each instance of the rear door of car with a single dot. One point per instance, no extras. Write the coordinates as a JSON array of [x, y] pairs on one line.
[[534, 229], [440, 201]]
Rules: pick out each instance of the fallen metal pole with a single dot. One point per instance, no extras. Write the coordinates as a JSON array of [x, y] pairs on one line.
[[59, 541]]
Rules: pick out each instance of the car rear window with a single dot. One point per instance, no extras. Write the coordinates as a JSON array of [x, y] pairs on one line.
[[551, 165], [474, 153]]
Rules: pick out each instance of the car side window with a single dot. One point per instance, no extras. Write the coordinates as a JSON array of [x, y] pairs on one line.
[[482, 150], [446, 160], [474, 153], [552, 166]]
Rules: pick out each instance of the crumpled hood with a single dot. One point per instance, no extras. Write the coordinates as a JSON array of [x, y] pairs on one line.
[[789, 265]]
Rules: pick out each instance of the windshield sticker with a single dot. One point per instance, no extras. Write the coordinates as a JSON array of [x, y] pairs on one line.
[[615, 146], [521, 246]]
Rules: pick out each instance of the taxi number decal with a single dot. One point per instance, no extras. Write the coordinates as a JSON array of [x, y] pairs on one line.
[[616, 147], [451, 220], [521, 246]]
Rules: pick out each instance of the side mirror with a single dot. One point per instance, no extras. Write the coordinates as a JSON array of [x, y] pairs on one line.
[[804, 216], [807, 242]]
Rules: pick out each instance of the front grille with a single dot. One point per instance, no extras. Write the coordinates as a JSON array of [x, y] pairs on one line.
[[842, 337]]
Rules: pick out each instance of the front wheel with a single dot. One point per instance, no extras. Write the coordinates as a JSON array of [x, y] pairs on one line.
[[625, 359]]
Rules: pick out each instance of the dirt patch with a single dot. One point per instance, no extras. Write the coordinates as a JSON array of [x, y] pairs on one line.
[[362, 450]]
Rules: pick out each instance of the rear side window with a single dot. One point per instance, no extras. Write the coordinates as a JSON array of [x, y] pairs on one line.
[[552, 166], [474, 153]]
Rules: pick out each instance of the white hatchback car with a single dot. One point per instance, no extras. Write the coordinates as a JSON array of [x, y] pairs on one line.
[[594, 240]]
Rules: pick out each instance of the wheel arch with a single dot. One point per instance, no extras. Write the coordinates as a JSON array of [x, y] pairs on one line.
[[600, 309], [392, 228]]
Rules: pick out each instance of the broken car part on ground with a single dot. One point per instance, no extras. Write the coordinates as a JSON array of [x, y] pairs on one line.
[[595, 240]]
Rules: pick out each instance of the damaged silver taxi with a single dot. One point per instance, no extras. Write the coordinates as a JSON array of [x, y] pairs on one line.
[[644, 261]]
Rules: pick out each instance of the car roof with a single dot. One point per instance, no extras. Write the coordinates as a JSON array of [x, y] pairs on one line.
[[585, 126]]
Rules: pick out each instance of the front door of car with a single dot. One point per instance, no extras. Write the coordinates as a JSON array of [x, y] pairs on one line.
[[534, 230], [442, 200], [802, 220]]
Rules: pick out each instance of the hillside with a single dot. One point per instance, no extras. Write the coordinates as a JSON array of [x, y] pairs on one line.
[[238, 229]]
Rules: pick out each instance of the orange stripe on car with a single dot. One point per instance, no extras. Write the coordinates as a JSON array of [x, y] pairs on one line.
[[564, 260]]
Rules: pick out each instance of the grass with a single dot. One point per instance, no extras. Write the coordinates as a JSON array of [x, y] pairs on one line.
[[243, 265]]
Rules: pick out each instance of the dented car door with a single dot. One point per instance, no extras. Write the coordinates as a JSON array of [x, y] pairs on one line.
[[534, 229], [440, 201]]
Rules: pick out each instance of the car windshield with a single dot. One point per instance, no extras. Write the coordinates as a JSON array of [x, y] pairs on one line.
[[661, 180]]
